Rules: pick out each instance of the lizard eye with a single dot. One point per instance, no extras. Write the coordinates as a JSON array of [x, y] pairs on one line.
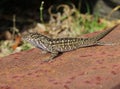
[[26, 37]]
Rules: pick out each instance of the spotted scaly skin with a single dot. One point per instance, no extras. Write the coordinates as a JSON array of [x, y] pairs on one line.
[[58, 45]]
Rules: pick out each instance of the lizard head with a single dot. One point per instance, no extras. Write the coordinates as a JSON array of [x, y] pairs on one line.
[[27, 37], [36, 39], [32, 36]]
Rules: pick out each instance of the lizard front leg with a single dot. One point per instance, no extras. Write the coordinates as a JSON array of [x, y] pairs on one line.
[[44, 52], [53, 55]]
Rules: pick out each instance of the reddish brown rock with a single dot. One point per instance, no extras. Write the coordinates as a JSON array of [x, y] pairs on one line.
[[95, 67]]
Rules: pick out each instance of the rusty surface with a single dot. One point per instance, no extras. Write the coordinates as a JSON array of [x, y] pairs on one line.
[[95, 67]]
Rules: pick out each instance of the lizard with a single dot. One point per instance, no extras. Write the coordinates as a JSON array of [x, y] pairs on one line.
[[60, 45]]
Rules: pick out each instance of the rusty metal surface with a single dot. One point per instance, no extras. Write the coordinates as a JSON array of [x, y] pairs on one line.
[[95, 67]]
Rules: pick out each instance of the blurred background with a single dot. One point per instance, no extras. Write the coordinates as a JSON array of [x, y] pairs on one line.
[[60, 18]]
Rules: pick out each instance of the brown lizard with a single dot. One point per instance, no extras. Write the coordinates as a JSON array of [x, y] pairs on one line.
[[58, 45]]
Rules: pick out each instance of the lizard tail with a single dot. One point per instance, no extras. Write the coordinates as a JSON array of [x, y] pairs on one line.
[[103, 34]]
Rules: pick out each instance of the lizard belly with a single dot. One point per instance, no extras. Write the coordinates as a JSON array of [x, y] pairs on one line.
[[69, 47], [63, 48]]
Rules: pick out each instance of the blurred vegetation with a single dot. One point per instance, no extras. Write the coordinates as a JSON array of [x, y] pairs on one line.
[[71, 23], [67, 21]]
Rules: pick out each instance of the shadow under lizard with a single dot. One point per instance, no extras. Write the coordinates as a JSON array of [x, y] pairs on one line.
[[58, 45]]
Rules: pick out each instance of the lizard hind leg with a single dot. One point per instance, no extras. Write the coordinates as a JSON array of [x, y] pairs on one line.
[[105, 43], [53, 55]]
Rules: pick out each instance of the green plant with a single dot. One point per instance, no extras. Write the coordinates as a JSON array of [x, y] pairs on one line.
[[72, 23], [41, 12]]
